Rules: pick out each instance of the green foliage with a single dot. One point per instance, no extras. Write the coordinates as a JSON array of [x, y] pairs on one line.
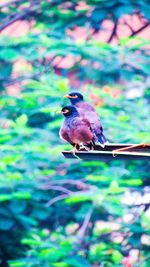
[[64, 213]]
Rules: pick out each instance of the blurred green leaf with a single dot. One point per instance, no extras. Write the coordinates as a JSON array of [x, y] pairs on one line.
[[55, 47]]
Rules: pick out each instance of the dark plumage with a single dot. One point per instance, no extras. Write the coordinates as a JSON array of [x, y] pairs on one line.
[[75, 130], [87, 111]]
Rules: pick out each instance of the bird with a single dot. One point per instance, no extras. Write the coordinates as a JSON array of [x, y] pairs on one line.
[[75, 129], [88, 112]]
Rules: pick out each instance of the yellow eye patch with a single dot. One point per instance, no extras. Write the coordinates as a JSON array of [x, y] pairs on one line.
[[70, 96], [75, 96], [65, 111]]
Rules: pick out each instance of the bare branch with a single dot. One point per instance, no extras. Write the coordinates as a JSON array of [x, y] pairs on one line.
[[82, 230], [19, 79], [140, 29], [129, 26], [114, 32], [55, 199], [77, 183], [11, 3], [11, 21], [21, 16], [56, 188], [58, 198]]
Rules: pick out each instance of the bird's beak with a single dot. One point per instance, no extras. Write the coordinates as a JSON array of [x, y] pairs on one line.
[[59, 112], [67, 96]]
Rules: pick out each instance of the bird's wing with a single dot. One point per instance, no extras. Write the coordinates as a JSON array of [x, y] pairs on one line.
[[86, 106], [86, 123], [82, 122], [88, 112], [83, 130]]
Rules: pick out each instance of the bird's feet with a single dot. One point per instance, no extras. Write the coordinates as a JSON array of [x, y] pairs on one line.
[[82, 146], [74, 151]]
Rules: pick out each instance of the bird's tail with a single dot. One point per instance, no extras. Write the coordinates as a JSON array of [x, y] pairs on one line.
[[102, 140]]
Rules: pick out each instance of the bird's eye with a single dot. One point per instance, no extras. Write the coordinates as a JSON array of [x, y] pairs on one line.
[[66, 111]]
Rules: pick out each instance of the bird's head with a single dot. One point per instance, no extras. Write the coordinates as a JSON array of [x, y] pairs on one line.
[[69, 111], [74, 97]]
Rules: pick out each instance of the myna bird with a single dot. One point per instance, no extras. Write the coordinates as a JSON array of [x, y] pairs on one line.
[[87, 111], [76, 130]]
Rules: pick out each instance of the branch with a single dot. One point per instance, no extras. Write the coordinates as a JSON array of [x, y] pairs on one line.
[[114, 32], [20, 16], [77, 183], [140, 29], [55, 199], [144, 205], [10, 81], [56, 188], [82, 230], [11, 3], [32, 8], [11, 21], [129, 26]]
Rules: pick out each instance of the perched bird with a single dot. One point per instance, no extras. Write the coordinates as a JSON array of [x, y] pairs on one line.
[[76, 130], [87, 111]]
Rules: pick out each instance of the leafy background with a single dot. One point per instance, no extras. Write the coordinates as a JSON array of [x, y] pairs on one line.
[[71, 213]]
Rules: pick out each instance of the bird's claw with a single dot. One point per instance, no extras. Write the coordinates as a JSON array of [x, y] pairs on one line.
[[74, 151], [84, 147]]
